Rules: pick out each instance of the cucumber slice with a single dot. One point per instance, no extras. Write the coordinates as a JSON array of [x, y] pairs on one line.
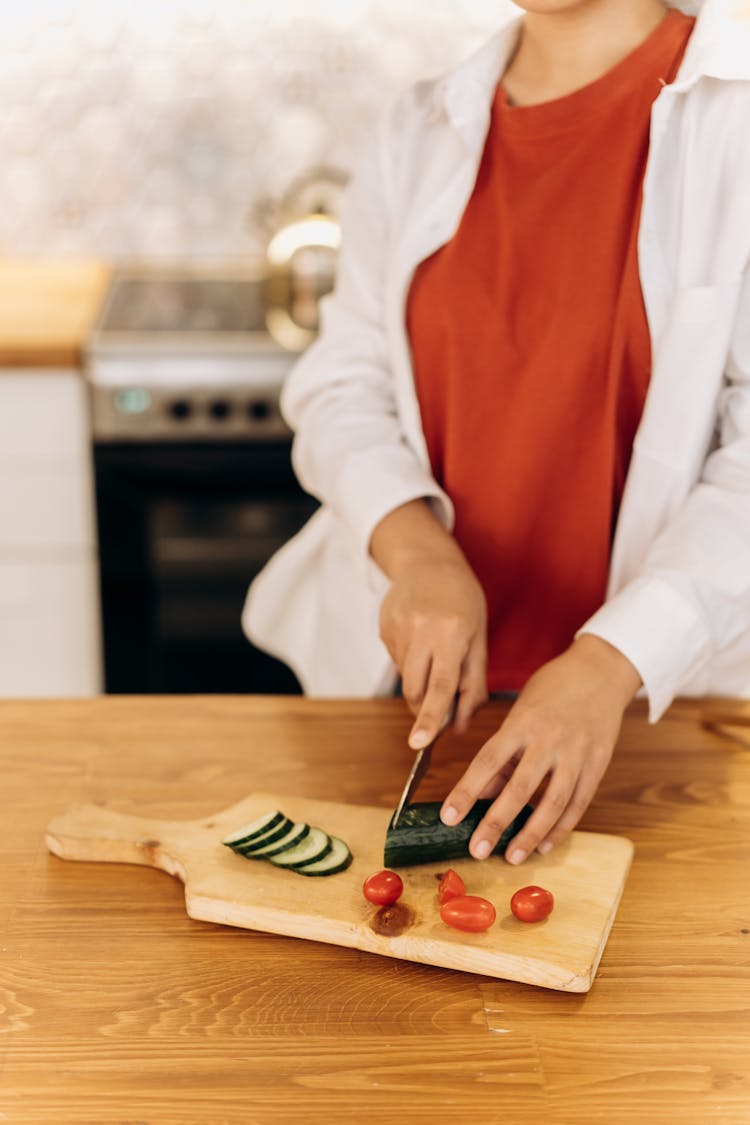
[[268, 837], [314, 847], [421, 836], [252, 831], [338, 859], [294, 836]]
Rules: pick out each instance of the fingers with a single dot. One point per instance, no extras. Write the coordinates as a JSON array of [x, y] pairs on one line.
[[472, 687], [438, 700], [572, 770], [491, 763], [555, 803], [446, 676], [415, 675], [582, 797]]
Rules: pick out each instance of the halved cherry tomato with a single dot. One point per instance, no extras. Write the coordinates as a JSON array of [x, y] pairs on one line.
[[532, 904], [469, 913], [450, 886], [383, 888]]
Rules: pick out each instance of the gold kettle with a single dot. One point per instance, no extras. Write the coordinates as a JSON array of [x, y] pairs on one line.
[[302, 255]]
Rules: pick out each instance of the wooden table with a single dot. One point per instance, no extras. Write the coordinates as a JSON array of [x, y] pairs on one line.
[[117, 1007]]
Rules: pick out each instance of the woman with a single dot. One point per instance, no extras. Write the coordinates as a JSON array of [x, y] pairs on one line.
[[528, 413]]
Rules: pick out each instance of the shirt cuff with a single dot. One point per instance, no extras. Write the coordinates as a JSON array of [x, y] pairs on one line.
[[661, 632], [372, 487]]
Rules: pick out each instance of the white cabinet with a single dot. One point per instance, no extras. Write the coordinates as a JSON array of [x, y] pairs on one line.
[[49, 600]]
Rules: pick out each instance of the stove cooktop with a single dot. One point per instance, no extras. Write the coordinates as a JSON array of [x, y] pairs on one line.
[[184, 305], [183, 355]]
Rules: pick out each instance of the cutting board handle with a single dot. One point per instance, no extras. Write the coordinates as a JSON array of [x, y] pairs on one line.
[[91, 832]]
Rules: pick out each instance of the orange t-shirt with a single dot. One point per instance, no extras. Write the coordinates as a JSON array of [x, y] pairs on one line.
[[532, 353]]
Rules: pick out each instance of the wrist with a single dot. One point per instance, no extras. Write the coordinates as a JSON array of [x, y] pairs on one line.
[[611, 665], [412, 536]]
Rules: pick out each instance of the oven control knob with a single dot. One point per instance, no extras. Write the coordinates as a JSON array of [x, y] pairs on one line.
[[220, 409], [181, 409], [259, 409]]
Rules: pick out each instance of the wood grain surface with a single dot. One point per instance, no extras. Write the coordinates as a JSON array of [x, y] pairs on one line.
[[586, 876], [116, 1007]]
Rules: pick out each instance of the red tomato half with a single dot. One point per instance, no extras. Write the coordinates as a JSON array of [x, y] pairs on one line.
[[532, 904], [383, 888], [450, 886], [469, 913]]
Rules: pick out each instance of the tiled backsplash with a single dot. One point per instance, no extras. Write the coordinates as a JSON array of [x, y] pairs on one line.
[[155, 128]]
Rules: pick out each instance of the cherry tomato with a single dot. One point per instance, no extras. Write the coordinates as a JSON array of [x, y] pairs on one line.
[[383, 888], [450, 886], [468, 912], [532, 904]]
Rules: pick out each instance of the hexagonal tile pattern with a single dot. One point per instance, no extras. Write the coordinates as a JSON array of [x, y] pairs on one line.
[[163, 130]]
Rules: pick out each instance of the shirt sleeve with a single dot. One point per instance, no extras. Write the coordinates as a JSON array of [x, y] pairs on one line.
[[691, 598], [350, 449]]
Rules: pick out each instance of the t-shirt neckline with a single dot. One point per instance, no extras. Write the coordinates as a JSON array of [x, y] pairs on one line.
[[571, 111]]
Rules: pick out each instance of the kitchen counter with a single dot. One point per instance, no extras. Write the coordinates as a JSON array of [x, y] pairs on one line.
[[115, 1006], [47, 309]]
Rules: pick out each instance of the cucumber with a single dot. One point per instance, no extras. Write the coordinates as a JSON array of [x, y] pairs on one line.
[[252, 831], [268, 837], [296, 847], [338, 859], [421, 836], [314, 847], [287, 842]]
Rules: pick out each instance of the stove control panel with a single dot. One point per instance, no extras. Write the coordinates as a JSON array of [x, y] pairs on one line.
[[178, 356], [138, 412]]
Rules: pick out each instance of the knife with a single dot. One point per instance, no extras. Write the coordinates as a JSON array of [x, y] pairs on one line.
[[419, 769]]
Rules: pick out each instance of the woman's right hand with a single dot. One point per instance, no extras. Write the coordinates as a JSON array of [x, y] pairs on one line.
[[433, 620]]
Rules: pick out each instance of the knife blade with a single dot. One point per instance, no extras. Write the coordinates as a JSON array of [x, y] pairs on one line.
[[418, 770]]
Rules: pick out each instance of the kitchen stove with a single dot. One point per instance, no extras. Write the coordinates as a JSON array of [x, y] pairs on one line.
[[194, 484], [177, 356]]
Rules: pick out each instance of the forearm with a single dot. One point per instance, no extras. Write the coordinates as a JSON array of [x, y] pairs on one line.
[[410, 535]]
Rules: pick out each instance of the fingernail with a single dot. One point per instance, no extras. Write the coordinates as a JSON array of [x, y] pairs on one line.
[[545, 846], [449, 815], [517, 856], [418, 739], [482, 849]]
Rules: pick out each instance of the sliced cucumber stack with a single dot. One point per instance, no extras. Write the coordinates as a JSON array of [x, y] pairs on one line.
[[336, 859], [269, 848], [279, 830], [315, 846], [296, 847], [252, 831]]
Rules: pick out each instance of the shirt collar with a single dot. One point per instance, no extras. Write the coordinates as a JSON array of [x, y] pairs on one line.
[[720, 44], [465, 93]]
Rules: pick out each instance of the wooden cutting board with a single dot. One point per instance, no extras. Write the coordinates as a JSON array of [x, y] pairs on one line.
[[586, 875]]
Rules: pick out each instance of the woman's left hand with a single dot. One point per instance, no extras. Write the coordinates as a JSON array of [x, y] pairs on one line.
[[560, 734]]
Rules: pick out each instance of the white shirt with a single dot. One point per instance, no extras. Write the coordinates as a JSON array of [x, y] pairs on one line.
[[678, 601]]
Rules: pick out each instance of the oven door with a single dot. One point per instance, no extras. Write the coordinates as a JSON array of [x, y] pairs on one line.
[[182, 531]]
